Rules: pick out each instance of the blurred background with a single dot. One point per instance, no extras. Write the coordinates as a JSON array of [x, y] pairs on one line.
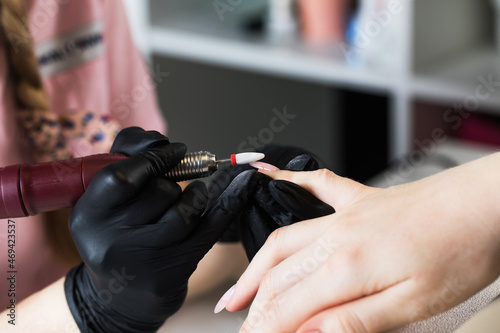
[[364, 78], [364, 84]]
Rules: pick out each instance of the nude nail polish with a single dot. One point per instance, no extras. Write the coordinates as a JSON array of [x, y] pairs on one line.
[[221, 305], [264, 166]]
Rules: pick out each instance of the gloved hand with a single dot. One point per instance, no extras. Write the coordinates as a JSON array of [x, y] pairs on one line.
[[140, 239], [256, 205]]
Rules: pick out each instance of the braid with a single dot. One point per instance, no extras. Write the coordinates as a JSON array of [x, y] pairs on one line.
[[29, 89]]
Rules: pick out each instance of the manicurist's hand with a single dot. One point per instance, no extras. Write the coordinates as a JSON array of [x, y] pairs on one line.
[[383, 260], [256, 205], [140, 239]]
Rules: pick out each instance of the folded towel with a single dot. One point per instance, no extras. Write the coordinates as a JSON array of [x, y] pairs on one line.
[[452, 319]]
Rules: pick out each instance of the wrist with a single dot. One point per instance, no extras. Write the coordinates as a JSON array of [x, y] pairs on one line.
[[487, 175], [482, 178], [99, 310]]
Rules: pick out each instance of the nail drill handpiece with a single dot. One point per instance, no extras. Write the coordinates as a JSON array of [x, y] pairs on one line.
[[31, 189], [203, 164]]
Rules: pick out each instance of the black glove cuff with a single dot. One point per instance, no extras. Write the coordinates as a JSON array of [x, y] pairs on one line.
[[88, 311], [79, 304]]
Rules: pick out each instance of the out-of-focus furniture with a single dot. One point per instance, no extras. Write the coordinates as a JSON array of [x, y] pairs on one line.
[[442, 50]]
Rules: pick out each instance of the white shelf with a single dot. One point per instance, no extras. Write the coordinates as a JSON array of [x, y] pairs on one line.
[[457, 78], [138, 17], [191, 29], [446, 36], [447, 82], [291, 60]]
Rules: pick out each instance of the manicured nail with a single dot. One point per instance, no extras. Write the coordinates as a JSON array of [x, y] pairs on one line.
[[315, 331], [264, 166], [221, 305]]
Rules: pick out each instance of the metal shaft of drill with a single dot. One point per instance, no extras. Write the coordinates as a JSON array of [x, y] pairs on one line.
[[194, 165]]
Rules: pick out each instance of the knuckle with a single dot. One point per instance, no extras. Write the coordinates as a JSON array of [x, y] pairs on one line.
[[275, 238], [78, 222], [74, 224], [352, 253], [274, 311], [324, 178], [332, 266], [345, 261], [267, 283], [348, 321], [274, 242], [324, 175], [112, 177]]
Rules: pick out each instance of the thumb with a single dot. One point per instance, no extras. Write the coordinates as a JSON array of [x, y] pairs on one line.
[[338, 192]]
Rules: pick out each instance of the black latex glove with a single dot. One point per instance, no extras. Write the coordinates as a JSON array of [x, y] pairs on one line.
[[256, 205], [140, 239]]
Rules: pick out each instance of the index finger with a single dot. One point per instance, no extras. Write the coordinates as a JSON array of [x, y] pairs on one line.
[[339, 192], [282, 244]]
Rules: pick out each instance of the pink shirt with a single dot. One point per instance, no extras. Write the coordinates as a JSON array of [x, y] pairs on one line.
[[88, 61]]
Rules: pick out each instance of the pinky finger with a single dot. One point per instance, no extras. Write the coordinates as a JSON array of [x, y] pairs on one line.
[[385, 310]]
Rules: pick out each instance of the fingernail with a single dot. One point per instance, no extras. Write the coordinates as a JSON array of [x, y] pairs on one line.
[[264, 166], [315, 331], [221, 305]]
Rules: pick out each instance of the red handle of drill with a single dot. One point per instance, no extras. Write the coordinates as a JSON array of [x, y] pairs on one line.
[[31, 189]]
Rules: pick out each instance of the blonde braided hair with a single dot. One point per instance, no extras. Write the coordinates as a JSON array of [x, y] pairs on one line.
[[29, 89], [31, 96]]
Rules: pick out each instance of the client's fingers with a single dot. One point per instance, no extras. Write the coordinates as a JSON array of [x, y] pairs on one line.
[[338, 192], [281, 244], [295, 268], [374, 313], [347, 275]]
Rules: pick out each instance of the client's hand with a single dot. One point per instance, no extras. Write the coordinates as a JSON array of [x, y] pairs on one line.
[[140, 239], [386, 258]]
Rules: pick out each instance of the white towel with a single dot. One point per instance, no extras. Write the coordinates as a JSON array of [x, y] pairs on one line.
[[452, 319]]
